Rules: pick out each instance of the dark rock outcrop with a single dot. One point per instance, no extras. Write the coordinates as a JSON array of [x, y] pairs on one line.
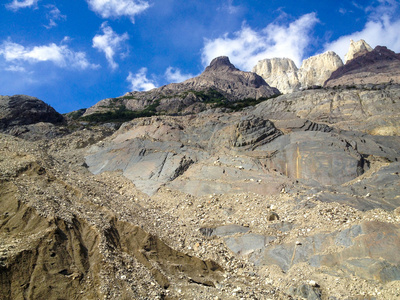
[[20, 110]]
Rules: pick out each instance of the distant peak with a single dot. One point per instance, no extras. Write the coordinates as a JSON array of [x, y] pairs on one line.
[[357, 49], [220, 63]]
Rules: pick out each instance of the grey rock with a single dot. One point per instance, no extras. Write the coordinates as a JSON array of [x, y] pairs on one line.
[[219, 81], [19, 110], [225, 230], [367, 251], [305, 291]]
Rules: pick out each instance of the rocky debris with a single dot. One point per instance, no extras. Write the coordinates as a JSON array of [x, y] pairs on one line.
[[20, 113], [296, 197], [220, 82], [283, 74], [98, 236], [379, 66], [356, 49]]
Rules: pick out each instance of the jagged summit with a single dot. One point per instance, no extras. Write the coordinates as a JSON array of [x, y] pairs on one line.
[[357, 49], [221, 82], [220, 64], [283, 73], [378, 66]]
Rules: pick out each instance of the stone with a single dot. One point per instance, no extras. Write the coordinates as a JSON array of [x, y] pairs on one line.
[[283, 74], [220, 81], [280, 73], [357, 49], [272, 216], [19, 110], [315, 70], [379, 66]]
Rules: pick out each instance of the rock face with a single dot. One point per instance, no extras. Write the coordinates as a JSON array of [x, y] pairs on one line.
[[380, 66], [220, 82], [20, 110], [315, 70], [357, 49], [295, 197], [283, 74]]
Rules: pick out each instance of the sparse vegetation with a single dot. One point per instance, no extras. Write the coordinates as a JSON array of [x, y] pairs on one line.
[[122, 114], [74, 115]]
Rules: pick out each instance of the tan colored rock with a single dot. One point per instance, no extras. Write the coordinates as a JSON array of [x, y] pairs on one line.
[[280, 73], [357, 49], [317, 69], [283, 74]]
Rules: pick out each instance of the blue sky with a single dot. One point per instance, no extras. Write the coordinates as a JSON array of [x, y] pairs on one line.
[[72, 54]]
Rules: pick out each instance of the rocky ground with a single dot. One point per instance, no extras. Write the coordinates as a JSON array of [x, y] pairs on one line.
[[296, 197], [65, 231]]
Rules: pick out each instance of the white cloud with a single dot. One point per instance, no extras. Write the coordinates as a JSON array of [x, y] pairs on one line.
[[118, 8], [230, 8], [175, 75], [109, 43], [247, 46], [140, 82], [382, 29], [54, 15], [17, 4], [61, 55], [15, 68]]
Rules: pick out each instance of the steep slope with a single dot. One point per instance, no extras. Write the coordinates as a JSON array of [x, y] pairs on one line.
[[220, 83], [380, 66], [281, 73], [356, 49]]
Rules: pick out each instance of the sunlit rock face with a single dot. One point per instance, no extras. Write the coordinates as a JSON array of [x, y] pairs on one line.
[[283, 73], [357, 49], [315, 70]]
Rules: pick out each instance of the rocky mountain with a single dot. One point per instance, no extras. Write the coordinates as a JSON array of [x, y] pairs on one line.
[[379, 66], [221, 82], [292, 197], [356, 49], [24, 115], [283, 74]]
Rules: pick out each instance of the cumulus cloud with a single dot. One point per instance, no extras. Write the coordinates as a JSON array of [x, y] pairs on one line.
[[53, 16], [60, 55], [17, 4], [247, 46], [175, 75], [109, 43], [140, 82], [118, 8], [382, 29]]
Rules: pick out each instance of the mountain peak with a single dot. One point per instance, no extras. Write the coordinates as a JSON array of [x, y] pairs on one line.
[[221, 64], [357, 49]]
